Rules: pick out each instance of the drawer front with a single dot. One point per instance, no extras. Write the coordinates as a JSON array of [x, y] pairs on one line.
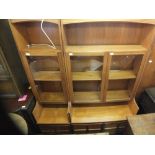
[[54, 129], [115, 124], [110, 127], [87, 128]]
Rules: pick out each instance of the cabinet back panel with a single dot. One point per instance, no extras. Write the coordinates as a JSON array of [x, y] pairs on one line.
[[33, 34], [118, 85], [44, 64], [82, 64], [104, 33], [86, 86], [46, 86]]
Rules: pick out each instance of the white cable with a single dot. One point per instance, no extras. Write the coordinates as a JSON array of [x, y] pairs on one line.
[[53, 46]]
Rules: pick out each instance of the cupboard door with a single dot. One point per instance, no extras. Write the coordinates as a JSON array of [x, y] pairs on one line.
[[85, 78], [48, 77], [123, 73]]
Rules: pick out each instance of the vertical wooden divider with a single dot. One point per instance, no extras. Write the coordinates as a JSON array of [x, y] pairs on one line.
[[139, 75], [69, 77], [62, 70], [69, 112], [67, 65], [105, 76]]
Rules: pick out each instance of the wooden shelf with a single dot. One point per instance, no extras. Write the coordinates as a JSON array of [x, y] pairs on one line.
[[117, 96], [40, 51], [76, 21], [120, 74], [53, 116], [100, 114], [96, 75], [98, 50], [88, 76], [50, 97], [94, 97], [87, 97], [47, 76], [54, 21]]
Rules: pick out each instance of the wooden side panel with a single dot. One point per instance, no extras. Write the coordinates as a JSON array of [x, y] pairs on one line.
[[148, 77], [37, 111], [133, 106], [20, 35]]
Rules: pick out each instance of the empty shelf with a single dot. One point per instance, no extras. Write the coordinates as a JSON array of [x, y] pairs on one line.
[[87, 97], [100, 114], [39, 50], [119, 74], [50, 97], [53, 116], [117, 96], [97, 50], [47, 76], [89, 75]]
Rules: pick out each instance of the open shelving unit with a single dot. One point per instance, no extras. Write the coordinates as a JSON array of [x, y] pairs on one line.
[[95, 69]]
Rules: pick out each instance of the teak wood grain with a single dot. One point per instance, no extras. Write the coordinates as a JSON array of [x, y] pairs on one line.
[[87, 38], [75, 21], [100, 114]]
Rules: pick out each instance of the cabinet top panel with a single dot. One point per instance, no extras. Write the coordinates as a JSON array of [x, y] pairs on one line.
[[74, 21], [55, 21]]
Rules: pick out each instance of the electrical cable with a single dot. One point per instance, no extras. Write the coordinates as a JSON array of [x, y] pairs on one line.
[[53, 46]]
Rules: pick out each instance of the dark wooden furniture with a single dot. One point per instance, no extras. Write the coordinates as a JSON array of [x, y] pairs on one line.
[[13, 81]]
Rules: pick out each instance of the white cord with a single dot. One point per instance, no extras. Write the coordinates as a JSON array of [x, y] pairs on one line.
[[53, 46]]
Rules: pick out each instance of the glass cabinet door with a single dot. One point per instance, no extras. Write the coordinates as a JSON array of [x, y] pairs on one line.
[[122, 76], [86, 72], [48, 79]]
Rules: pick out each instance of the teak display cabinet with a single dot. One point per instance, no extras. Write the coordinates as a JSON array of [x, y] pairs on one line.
[[43, 64], [93, 74]]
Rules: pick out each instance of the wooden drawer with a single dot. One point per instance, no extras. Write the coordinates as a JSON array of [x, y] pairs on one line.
[[87, 128], [54, 129], [115, 124]]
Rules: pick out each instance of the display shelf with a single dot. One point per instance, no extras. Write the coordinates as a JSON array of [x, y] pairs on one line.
[[98, 50], [121, 74], [87, 97], [52, 97], [47, 76], [117, 95], [96, 75], [40, 51], [53, 116], [87, 76], [100, 114]]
